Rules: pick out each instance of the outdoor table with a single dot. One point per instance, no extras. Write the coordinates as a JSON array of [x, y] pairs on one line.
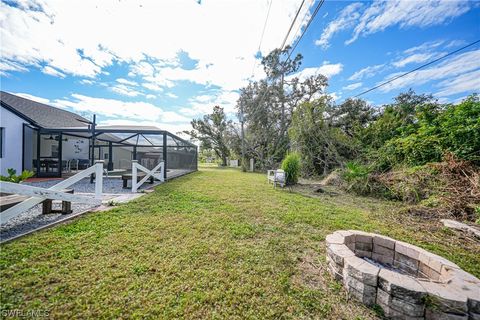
[[128, 176]]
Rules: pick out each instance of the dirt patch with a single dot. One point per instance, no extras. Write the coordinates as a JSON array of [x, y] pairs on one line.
[[310, 271], [314, 189], [421, 212]]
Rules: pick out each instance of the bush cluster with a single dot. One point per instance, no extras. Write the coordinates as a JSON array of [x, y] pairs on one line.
[[291, 166]]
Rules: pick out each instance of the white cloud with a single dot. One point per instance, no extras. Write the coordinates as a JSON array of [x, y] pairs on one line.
[[174, 128], [335, 96], [344, 21], [468, 82], [383, 14], [414, 58], [152, 86], [197, 109], [124, 90], [150, 96], [139, 112], [119, 112], [111, 108], [32, 97], [127, 82], [422, 53], [353, 86], [48, 33], [327, 69], [6, 66], [142, 68], [204, 104], [424, 47], [170, 116], [86, 81], [53, 72], [203, 98], [171, 95], [366, 72], [455, 43], [463, 67]]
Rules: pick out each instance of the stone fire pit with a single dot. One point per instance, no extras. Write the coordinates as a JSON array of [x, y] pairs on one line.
[[407, 282]]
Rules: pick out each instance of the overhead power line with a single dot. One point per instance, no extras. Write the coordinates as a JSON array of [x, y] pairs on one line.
[[291, 25], [416, 69], [261, 37], [319, 5], [317, 8], [265, 25], [242, 121]]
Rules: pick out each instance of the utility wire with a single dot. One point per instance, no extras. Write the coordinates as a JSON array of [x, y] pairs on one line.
[[319, 5], [317, 8], [299, 29], [242, 120], [418, 68], [291, 26], [261, 37]]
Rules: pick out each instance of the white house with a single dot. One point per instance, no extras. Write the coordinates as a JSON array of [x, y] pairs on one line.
[[50, 141]]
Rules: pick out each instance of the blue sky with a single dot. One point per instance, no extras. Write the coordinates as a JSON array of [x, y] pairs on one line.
[[165, 62]]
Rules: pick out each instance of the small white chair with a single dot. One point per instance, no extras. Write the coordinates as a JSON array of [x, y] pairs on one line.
[[276, 176]]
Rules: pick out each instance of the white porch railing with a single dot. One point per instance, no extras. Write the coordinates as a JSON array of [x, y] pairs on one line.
[[149, 173], [38, 195]]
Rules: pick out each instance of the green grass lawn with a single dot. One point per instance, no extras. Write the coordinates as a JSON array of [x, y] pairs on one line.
[[214, 244]]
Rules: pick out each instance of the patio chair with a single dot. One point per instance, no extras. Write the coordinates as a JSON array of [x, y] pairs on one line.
[[276, 176], [83, 164], [73, 163], [43, 167], [65, 165]]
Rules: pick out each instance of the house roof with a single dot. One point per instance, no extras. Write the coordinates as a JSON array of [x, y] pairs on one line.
[[40, 114], [128, 128]]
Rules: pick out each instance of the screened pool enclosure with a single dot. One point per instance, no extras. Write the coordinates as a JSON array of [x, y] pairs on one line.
[[60, 152]]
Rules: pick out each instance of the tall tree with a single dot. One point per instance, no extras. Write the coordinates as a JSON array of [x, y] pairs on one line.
[[322, 144], [352, 116], [397, 119], [213, 132], [268, 105]]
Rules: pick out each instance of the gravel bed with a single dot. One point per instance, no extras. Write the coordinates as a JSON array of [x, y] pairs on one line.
[[33, 218]]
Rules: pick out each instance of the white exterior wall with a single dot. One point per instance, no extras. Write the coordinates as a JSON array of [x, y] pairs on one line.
[[12, 141], [75, 148]]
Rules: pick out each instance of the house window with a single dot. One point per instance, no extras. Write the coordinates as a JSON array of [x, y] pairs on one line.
[[2, 134]]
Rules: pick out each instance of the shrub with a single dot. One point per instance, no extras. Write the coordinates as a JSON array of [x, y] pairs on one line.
[[436, 131], [12, 176], [362, 181], [358, 178], [291, 166], [354, 171]]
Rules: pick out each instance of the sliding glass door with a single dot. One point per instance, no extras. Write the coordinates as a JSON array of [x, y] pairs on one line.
[[49, 155]]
